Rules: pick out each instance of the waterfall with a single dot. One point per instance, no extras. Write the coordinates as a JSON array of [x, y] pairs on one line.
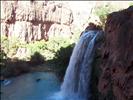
[[77, 78], [76, 85]]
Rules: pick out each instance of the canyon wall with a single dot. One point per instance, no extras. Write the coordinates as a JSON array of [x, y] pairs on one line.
[[35, 20], [117, 57]]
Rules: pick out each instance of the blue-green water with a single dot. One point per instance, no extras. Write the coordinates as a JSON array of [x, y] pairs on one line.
[[26, 87]]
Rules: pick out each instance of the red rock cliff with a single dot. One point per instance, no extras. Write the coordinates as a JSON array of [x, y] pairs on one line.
[[117, 67]]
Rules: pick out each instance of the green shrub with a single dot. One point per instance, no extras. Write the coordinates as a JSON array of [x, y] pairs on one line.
[[62, 56], [4, 44], [37, 59], [47, 49], [61, 60], [10, 45], [103, 11], [131, 4], [3, 58]]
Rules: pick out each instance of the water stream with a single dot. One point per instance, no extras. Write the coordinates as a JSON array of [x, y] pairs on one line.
[[76, 85]]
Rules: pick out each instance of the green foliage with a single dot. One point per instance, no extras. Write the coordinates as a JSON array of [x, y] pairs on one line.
[[4, 44], [3, 57], [48, 49], [10, 45], [131, 4], [103, 11], [37, 46], [37, 59], [61, 60], [62, 56], [57, 49]]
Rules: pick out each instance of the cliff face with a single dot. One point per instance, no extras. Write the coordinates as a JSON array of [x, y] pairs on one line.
[[117, 65], [34, 20]]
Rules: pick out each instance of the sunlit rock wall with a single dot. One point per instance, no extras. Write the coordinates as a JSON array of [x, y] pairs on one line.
[[35, 20]]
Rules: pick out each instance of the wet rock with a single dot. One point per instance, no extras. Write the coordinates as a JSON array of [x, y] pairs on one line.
[[37, 80]]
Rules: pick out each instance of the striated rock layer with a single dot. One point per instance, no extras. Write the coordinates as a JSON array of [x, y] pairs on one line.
[[117, 67], [33, 20]]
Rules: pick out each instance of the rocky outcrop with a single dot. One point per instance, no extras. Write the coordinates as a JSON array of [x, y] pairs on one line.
[[33, 20], [117, 66]]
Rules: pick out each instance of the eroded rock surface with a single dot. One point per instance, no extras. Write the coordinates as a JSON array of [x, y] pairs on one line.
[[117, 67], [33, 20]]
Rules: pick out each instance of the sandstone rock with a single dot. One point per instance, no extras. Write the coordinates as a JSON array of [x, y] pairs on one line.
[[4, 29], [25, 11], [59, 30], [117, 67], [66, 17], [7, 11], [39, 11], [33, 20]]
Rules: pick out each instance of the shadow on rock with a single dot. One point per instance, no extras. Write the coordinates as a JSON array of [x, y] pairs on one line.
[[14, 67]]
